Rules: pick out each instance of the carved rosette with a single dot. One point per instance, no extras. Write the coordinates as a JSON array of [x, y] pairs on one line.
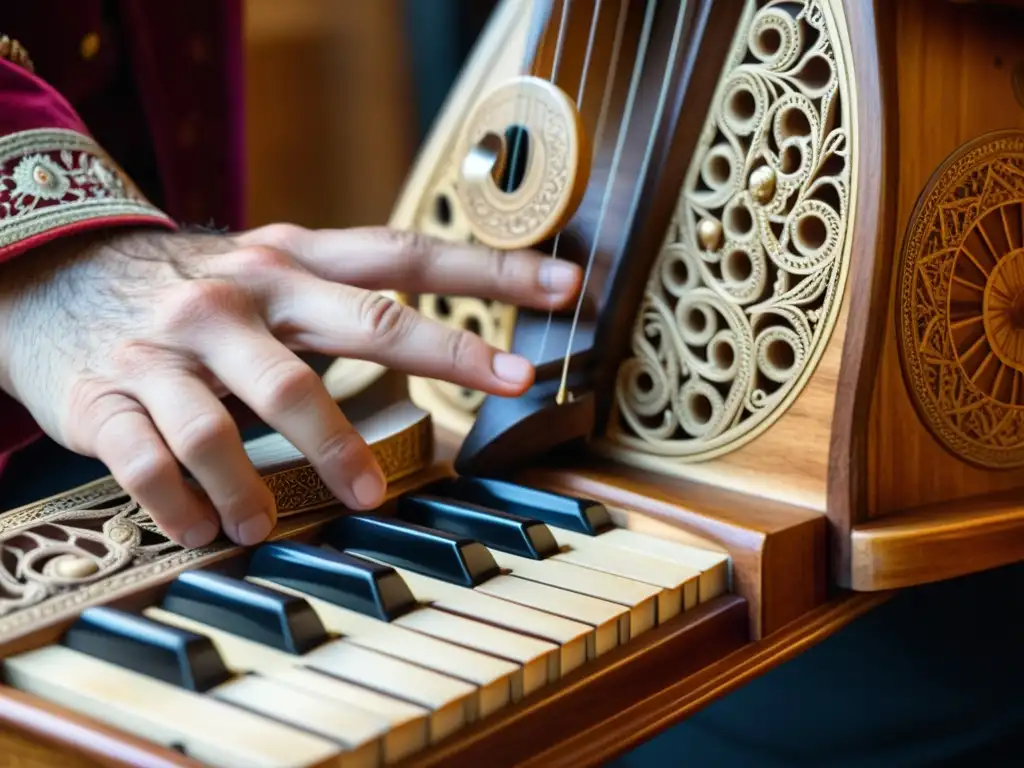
[[745, 293], [529, 214], [960, 303]]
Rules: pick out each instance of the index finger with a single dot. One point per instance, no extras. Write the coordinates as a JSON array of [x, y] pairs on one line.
[[383, 259]]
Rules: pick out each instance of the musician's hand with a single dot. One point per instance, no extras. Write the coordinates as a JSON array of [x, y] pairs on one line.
[[120, 346]]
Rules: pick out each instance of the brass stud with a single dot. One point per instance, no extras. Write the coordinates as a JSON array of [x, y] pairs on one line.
[[709, 233], [73, 567], [762, 184], [90, 46]]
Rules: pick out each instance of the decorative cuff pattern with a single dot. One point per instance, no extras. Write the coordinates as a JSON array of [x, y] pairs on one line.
[[56, 182]]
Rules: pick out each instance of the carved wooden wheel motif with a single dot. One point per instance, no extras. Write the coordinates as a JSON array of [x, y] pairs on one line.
[[745, 292], [960, 303]]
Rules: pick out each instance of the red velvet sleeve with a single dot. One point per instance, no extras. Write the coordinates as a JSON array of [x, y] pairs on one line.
[[55, 181]]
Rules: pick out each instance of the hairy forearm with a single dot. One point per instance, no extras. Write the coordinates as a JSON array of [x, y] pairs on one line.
[[56, 183]]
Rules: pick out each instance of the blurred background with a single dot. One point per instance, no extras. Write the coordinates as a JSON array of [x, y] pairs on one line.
[[339, 95]]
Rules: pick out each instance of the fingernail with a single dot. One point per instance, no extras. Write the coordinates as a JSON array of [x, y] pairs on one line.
[[558, 276], [254, 530], [511, 368], [200, 534], [369, 487]]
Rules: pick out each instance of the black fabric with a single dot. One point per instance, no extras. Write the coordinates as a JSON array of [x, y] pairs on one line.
[[931, 678], [45, 468]]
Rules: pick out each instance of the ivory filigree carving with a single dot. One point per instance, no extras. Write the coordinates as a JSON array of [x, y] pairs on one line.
[[73, 550], [960, 303], [746, 290], [94, 543]]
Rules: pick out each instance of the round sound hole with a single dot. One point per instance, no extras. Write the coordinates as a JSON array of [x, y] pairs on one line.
[[524, 167]]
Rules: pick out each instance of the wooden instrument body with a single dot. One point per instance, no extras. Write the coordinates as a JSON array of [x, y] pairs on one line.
[[913, 85], [831, 494]]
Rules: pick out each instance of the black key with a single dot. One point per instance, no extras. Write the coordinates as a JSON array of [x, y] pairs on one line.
[[142, 645], [351, 582], [262, 615], [497, 530], [433, 553], [580, 515]]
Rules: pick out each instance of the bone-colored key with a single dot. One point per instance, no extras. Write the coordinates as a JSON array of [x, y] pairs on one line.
[[211, 731], [638, 597], [408, 724], [447, 698], [305, 707], [572, 637], [713, 566], [610, 621], [360, 734], [539, 659], [451, 702], [678, 582], [496, 678]]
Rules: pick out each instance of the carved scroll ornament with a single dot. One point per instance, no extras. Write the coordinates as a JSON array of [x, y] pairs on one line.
[[745, 292]]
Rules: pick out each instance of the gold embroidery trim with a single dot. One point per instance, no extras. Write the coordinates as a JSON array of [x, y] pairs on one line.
[[52, 178]]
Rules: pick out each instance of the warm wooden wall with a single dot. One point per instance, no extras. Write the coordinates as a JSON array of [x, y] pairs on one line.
[[331, 120]]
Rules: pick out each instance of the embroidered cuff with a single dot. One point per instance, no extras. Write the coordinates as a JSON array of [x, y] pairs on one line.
[[56, 182]]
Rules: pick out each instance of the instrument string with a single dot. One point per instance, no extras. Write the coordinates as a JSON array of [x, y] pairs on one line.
[[601, 120], [677, 39], [521, 104], [627, 116]]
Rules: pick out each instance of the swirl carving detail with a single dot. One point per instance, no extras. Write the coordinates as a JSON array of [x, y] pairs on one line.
[[745, 292], [95, 543], [960, 318]]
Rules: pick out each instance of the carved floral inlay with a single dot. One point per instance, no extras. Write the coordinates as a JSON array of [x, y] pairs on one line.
[[744, 294], [960, 302]]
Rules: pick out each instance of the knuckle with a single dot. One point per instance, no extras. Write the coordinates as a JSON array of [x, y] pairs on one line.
[[502, 266], [133, 357], [286, 386], [463, 347], [261, 258], [280, 235], [146, 471], [410, 242], [341, 448], [197, 303], [383, 318], [199, 436], [89, 398]]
